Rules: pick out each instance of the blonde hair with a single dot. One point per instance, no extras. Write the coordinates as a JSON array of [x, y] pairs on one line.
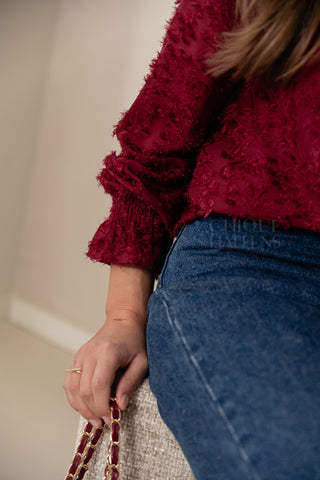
[[272, 39]]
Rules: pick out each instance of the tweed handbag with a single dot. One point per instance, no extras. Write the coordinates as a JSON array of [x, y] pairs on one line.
[[147, 450]]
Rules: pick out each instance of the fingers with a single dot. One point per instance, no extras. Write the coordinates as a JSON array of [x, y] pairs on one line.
[[89, 393], [116, 348], [131, 379], [101, 383], [71, 386]]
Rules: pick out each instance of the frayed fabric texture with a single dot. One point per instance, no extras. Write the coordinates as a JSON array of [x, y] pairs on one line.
[[148, 450], [192, 145]]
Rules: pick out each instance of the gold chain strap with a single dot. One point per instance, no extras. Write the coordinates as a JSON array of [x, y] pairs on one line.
[[88, 443], [113, 458]]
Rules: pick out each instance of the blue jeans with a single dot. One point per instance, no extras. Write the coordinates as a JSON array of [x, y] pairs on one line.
[[233, 341]]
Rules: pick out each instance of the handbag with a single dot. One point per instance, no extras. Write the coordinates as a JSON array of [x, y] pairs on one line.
[[88, 442]]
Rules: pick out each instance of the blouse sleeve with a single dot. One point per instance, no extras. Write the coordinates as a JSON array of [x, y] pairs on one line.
[[159, 136]]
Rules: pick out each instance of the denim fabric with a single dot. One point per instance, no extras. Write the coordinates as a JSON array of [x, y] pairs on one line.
[[233, 341]]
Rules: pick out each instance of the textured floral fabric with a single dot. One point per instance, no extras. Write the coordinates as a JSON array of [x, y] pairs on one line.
[[192, 145]]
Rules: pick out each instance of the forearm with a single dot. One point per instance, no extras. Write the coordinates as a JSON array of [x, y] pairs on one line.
[[129, 290]]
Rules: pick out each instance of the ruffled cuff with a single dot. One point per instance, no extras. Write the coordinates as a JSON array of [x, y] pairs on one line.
[[132, 234]]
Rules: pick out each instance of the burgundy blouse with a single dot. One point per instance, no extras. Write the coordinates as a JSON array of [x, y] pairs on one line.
[[192, 145]]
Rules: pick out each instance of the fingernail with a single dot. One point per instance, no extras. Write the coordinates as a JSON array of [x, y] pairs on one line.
[[107, 420], [94, 423], [125, 400]]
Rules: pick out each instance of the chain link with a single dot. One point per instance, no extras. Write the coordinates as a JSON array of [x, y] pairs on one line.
[[88, 443], [113, 457]]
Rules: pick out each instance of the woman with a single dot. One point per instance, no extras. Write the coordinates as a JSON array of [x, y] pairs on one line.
[[221, 148]]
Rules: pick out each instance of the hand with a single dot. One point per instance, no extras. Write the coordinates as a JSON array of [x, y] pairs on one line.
[[119, 344]]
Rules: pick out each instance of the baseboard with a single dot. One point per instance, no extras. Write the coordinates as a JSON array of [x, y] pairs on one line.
[[46, 325]]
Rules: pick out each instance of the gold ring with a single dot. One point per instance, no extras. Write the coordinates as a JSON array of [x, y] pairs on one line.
[[74, 370]]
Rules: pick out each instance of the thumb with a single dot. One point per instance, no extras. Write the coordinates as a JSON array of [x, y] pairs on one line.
[[131, 379]]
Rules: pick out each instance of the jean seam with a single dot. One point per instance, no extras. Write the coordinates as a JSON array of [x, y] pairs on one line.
[[245, 457]]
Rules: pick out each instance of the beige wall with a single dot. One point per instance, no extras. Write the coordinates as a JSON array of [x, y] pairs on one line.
[[26, 34], [68, 68], [88, 73]]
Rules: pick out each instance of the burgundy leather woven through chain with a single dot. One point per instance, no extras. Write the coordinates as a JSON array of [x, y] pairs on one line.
[[112, 468], [88, 443]]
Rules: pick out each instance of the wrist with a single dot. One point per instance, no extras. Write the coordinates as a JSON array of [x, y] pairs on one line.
[[126, 315], [128, 293]]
